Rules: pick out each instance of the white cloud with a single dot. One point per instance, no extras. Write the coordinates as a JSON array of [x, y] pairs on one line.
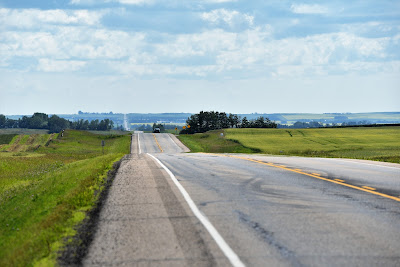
[[48, 65], [202, 44], [136, 2], [312, 55], [229, 17], [309, 9], [71, 42], [125, 2], [70, 37], [252, 52], [31, 18], [219, 1]]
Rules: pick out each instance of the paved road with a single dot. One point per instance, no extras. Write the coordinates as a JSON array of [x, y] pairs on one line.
[[271, 211]]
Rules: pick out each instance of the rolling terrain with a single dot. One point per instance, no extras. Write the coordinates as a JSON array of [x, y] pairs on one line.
[[47, 184], [380, 143]]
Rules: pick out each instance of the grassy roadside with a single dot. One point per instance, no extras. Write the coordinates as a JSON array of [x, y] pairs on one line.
[[213, 142], [380, 144], [44, 194]]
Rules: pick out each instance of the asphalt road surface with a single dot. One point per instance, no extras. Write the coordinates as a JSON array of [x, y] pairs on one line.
[[266, 211]]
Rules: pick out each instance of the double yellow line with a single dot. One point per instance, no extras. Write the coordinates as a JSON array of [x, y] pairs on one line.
[[155, 138], [318, 176]]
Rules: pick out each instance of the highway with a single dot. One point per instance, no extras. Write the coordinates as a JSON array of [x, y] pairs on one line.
[[261, 210]]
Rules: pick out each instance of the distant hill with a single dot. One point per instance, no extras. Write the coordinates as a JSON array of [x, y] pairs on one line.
[[281, 118]]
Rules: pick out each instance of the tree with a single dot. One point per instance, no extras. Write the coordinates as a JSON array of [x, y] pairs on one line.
[[2, 121], [54, 123], [245, 123], [233, 120], [10, 123], [38, 121], [57, 124], [93, 125]]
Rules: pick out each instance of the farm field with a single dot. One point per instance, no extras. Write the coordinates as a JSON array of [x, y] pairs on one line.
[[391, 116], [47, 183], [375, 143], [380, 143], [213, 142]]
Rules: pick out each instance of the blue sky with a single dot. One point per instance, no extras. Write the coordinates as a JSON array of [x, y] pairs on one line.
[[239, 56]]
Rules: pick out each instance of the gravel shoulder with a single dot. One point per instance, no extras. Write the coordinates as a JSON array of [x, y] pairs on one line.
[[145, 221]]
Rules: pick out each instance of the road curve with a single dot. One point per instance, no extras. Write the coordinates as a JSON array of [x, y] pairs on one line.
[[271, 211]]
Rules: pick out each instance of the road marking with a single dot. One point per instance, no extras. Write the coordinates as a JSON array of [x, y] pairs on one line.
[[359, 162], [317, 174], [339, 180], [369, 188], [229, 253], [155, 138], [319, 177], [138, 140], [174, 143]]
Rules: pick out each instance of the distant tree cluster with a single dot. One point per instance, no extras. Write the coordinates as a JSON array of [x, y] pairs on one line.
[[94, 125], [214, 120], [54, 123]]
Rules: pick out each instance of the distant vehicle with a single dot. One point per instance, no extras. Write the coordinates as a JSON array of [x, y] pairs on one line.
[[157, 130]]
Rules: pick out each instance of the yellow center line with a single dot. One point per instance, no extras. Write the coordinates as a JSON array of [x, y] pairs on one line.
[[336, 181], [155, 138], [369, 188]]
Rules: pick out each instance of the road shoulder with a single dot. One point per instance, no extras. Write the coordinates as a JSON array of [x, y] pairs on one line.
[[145, 221]]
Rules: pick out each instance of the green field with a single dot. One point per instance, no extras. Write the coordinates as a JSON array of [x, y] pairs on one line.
[[213, 142], [45, 191], [380, 143]]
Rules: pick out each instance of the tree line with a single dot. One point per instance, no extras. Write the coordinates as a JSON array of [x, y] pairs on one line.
[[214, 120], [54, 123]]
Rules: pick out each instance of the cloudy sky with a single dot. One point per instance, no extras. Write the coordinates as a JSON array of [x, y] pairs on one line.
[[238, 56]]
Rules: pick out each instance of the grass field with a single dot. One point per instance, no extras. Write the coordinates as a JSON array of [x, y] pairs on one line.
[[23, 131], [381, 143], [45, 192], [213, 142]]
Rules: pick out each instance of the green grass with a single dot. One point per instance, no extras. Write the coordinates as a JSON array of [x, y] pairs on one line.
[[45, 193], [6, 138], [395, 116], [381, 144], [24, 143], [23, 131], [212, 142]]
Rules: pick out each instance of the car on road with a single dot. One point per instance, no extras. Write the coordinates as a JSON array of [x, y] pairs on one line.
[[157, 130]]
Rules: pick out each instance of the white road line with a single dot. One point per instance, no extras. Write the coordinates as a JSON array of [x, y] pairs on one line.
[[138, 140], [229, 253], [172, 140], [363, 163]]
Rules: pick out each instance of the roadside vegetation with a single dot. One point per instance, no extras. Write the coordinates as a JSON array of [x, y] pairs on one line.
[[47, 184], [380, 143], [205, 121], [54, 123], [214, 142]]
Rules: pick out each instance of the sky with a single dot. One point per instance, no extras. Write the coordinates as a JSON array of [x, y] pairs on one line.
[[238, 56]]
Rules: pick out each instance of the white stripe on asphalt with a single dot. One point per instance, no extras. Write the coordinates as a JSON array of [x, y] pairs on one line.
[[229, 253], [174, 143], [138, 140]]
